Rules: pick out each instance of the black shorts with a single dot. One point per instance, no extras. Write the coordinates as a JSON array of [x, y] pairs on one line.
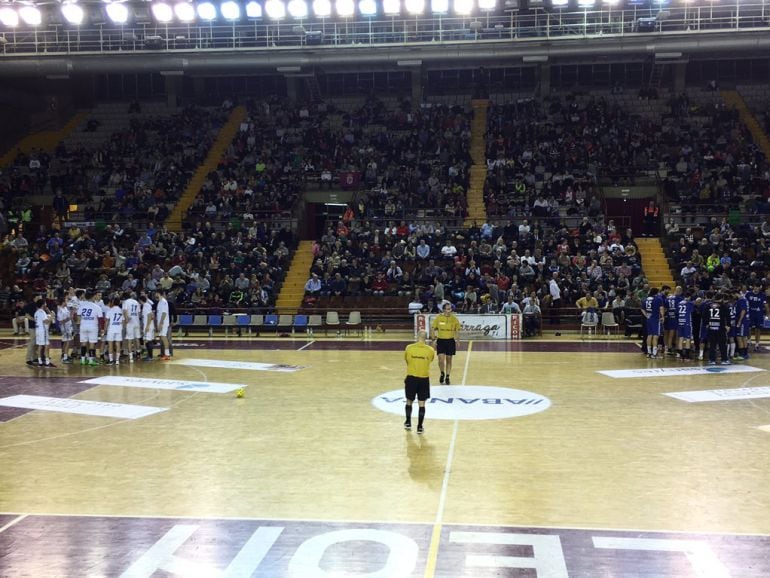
[[418, 387], [446, 346]]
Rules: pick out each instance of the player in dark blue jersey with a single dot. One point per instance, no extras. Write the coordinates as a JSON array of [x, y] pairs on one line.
[[717, 318], [757, 301], [703, 307], [732, 328], [653, 311], [742, 324], [670, 324], [684, 310]]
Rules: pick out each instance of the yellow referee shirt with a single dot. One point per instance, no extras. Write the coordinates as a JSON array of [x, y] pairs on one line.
[[418, 358], [445, 327]]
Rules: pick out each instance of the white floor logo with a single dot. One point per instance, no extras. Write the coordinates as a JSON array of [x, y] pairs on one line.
[[473, 402]]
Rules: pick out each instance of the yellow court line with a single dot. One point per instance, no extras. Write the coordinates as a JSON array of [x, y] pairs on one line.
[[435, 538]]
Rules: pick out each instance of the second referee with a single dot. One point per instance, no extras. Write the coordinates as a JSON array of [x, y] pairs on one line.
[[418, 357]]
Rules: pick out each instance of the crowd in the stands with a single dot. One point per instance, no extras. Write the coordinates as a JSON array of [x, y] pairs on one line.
[[544, 160], [399, 158], [198, 268], [719, 255], [137, 174], [544, 157], [479, 269]]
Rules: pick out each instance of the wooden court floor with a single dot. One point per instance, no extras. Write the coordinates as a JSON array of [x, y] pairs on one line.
[[560, 471]]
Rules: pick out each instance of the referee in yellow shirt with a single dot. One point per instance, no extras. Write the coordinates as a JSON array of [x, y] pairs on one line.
[[418, 356], [446, 331]]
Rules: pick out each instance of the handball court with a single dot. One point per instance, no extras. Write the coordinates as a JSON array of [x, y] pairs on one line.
[[532, 463]]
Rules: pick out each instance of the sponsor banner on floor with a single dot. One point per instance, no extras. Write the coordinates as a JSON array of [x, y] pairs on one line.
[[177, 384], [674, 371], [247, 365], [722, 394], [469, 402], [80, 406], [142, 547]]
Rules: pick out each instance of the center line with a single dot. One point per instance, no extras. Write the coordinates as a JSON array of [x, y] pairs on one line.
[[430, 567]]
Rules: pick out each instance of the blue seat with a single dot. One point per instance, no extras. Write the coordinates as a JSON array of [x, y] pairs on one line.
[[271, 321], [214, 321], [184, 322], [300, 322]]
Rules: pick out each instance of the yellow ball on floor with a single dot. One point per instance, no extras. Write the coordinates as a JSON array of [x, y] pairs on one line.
[[240, 392]]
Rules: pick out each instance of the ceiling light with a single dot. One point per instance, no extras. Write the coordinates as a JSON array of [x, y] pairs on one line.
[[346, 8], [9, 17], [463, 7], [253, 9], [322, 8], [162, 12], [184, 11], [31, 15], [439, 6], [391, 6], [118, 13], [297, 8], [367, 7], [275, 9], [230, 10], [207, 11], [415, 7], [73, 13]]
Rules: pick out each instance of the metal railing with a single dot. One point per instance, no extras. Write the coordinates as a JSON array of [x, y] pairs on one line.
[[381, 30]]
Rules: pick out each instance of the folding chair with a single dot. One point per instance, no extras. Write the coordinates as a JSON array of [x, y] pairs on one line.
[[354, 321], [608, 322], [332, 320]]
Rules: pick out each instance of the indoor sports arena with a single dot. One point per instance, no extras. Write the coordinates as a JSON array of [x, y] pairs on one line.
[[419, 288]]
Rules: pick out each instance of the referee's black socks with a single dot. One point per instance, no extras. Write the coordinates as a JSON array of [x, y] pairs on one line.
[[408, 409], [421, 414]]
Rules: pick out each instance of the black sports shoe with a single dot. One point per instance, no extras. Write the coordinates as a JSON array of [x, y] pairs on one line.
[[441, 379], [419, 429], [407, 425], [446, 380], [31, 363]]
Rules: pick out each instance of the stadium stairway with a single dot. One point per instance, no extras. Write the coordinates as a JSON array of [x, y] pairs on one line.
[[293, 287], [734, 99], [477, 211], [211, 162], [654, 262], [45, 140]]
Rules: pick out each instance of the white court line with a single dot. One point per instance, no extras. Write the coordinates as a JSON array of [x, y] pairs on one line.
[[13, 522], [430, 565], [306, 345], [390, 522], [452, 443]]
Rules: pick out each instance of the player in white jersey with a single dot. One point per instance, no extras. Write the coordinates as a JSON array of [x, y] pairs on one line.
[[89, 314], [132, 313], [163, 323], [42, 325], [64, 318], [115, 324], [102, 346], [148, 325], [73, 302]]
